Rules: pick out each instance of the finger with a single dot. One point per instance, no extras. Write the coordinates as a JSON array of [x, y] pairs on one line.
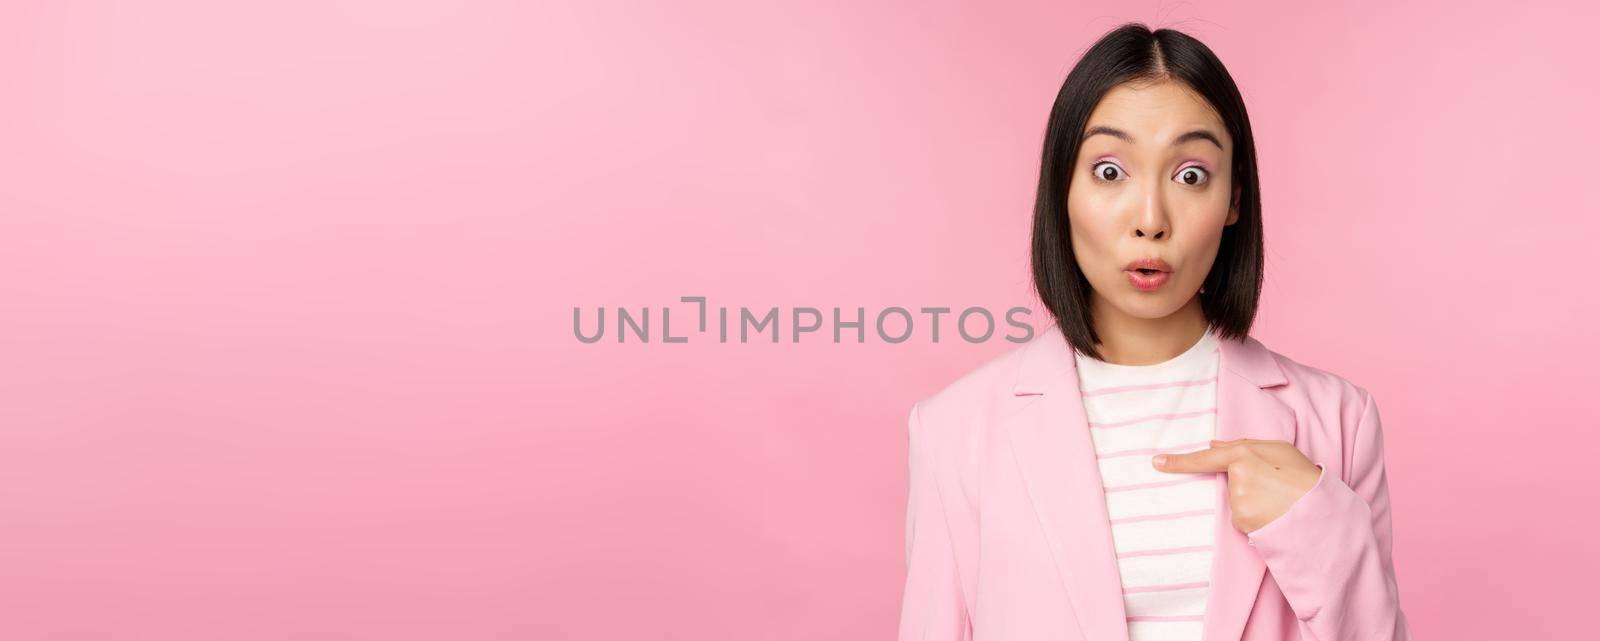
[[1208, 460]]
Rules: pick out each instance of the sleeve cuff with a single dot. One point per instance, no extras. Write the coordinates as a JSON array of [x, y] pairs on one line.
[[1322, 542]]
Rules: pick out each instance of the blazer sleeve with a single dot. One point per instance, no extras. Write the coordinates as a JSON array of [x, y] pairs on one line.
[[1331, 553], [932, 606]]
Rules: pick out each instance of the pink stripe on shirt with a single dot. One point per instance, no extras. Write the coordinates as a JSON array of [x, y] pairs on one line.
[[1162, 541]]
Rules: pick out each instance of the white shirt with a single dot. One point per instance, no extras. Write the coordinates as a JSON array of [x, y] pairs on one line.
[[1161, 522]]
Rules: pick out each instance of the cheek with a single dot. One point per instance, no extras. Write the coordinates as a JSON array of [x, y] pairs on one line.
[[1202, 217], [1219, 199], [1201, 254], [1093, 224], [1199, 248]]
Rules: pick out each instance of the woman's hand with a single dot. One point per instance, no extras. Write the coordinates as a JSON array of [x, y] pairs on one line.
[[1265, 478]]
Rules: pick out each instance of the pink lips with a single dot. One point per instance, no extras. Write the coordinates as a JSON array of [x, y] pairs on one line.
[[1159, 270], [1147, 282]]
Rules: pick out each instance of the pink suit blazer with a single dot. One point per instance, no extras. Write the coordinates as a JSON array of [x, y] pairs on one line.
[[1008, 538]]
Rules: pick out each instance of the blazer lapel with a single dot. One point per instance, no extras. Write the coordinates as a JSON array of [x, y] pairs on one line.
[[1244, 410], [1055, 454], [1050, 438]]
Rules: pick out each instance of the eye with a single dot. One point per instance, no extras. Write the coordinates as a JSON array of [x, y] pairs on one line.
[[1106, 171], [1193, 175]]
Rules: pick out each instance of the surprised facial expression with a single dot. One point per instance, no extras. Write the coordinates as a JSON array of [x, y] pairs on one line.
[[1152, 182]]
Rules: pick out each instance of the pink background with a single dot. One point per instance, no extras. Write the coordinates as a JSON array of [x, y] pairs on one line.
[[287, 297]]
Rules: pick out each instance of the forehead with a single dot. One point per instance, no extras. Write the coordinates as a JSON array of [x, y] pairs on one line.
[[1155, 113]]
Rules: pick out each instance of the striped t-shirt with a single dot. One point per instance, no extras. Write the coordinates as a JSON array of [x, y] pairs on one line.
[[1161, 522]]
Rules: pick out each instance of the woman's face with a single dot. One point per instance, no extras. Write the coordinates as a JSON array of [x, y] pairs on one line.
[[1152, 179]]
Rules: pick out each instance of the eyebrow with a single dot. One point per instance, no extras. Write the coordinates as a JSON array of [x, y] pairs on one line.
[[1198, 134]]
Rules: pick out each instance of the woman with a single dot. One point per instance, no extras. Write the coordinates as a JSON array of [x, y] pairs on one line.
[[1143, 469]]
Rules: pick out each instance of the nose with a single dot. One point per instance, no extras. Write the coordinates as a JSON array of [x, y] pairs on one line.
[[1152, 219]]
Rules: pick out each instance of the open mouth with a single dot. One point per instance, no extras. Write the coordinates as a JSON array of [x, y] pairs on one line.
[[1147, 272]]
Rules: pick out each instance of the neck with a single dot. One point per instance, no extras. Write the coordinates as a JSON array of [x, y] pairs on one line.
[[1131, 340]]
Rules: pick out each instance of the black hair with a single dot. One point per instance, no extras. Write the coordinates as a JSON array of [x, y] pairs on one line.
[[1132, 52]]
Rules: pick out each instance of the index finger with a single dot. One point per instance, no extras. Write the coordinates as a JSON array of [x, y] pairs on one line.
[[1213, 459]]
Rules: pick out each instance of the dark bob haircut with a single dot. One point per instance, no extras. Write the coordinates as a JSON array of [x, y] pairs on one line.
[[1134, 53]]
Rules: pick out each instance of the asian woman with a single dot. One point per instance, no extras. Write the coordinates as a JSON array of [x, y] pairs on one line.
[[1144, 469]]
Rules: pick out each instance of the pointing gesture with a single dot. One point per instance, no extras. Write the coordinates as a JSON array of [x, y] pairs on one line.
[[1265, 478]]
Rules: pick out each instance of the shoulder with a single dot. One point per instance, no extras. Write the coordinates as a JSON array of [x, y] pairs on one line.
[[1313, 378], [975, 396], [952, 428], [966, 410], [977, 389], [1320, 391]]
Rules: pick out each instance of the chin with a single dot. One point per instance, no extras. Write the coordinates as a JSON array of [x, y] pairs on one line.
[[1150, 306]]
